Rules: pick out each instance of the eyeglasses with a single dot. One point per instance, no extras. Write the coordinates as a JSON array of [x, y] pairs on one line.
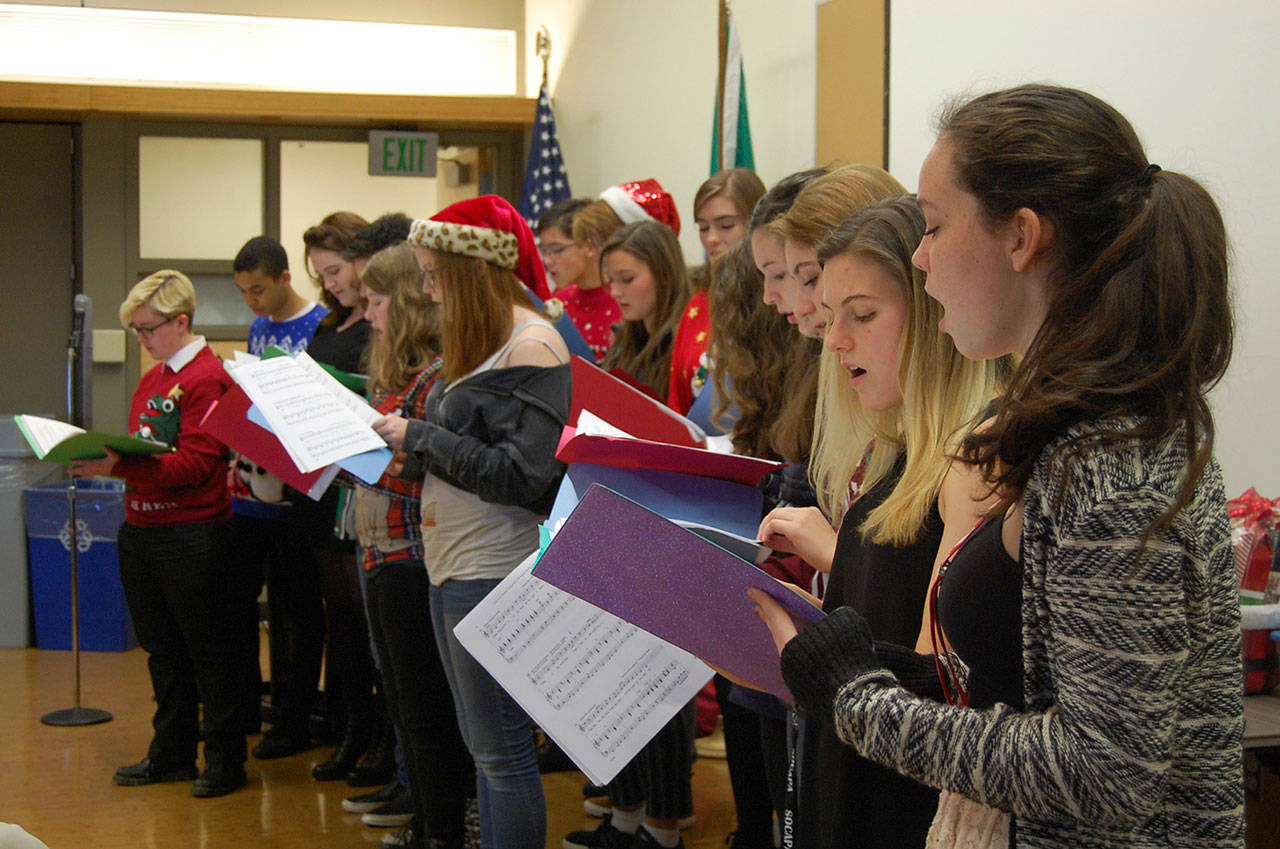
[[146, 332], [554, 249]]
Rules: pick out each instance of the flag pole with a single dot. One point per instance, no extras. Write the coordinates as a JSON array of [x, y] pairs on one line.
[[723, 36], [542, 44]]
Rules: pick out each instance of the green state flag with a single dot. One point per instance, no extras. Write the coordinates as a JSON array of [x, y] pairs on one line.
[[731, 114]]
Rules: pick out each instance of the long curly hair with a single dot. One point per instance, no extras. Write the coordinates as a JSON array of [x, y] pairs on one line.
[[411, 338], [755, 352], [1139, 324]]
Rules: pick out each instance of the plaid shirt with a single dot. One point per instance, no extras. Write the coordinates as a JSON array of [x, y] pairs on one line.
[[404, 512]]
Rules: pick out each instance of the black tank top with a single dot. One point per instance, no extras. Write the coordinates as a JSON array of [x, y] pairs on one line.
[[858, 803], [980, 609]]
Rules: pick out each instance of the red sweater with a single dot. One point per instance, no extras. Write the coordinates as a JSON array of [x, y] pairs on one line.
[[189, 484], [689, 369], [593, 312]]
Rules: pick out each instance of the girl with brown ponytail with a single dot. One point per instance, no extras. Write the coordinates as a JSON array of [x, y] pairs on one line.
[[1099, 698]]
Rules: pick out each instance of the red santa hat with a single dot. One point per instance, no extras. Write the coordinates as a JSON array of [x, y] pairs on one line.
[[489, 228], [641, 200]]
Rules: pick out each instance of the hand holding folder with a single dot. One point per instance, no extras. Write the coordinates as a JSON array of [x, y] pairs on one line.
[[62, 443], [649, 571]]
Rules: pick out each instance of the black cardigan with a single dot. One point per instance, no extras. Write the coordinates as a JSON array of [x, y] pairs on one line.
[[495, 434]]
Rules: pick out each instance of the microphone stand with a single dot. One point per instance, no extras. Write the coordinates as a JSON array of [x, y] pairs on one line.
[[75, 715]]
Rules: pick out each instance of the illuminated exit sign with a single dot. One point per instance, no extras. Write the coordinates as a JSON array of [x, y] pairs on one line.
[[400, 154]]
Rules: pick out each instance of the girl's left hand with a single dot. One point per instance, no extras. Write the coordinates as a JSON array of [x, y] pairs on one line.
[[100, 466], [803, 531], [774, 616], [392, 429]]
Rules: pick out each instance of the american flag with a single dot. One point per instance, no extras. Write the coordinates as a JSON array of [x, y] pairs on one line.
[[545, 180]]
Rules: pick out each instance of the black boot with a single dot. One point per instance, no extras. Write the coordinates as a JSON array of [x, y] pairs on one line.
[[378, 766], [353, 744]]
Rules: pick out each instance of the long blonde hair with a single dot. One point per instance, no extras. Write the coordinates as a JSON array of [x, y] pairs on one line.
[[943, 393], [411, 338]]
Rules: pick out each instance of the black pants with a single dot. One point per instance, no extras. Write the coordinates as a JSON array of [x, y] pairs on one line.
[[179, 583], [349, 671], [441, 772], [659, 773], [348, 659], [748, 778], [281, 552]]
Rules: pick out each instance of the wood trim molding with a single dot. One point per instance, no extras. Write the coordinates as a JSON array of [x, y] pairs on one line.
[[69, 101], [852, 108]]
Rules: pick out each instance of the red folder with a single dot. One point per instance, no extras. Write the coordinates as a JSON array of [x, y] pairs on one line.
[[627, 408], [227, 420], [622, 453]]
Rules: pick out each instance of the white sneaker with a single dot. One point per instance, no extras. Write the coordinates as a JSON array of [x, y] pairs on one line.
[[600, 807]]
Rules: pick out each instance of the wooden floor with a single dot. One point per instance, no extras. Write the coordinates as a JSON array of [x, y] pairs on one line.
[[56, 782]]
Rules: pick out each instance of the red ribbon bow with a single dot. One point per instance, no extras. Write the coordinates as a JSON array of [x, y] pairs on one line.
[[1252, 507]]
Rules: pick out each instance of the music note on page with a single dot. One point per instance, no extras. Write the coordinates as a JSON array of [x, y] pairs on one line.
[[598, 686], [317, 424]]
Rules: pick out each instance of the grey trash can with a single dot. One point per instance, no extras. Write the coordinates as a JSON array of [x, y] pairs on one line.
[[19, 469]]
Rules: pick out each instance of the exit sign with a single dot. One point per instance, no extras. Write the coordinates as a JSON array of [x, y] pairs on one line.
[[403, 154]]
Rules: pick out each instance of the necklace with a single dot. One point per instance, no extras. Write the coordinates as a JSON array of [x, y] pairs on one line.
[[953, 687]]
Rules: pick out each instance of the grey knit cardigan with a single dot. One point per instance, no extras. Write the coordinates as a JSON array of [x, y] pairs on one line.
[[1132, 673]]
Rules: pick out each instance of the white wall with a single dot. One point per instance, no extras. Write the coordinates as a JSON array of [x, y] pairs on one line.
[[633, 87], [1198, 82]]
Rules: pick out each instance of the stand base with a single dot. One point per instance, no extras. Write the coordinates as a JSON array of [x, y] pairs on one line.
[[76, 716]]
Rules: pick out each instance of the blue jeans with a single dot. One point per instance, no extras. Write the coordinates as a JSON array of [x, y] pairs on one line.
[[513, 814]]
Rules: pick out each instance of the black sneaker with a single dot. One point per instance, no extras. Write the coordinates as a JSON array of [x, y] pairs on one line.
[[393, 814], [605, 836], [366, 802], [219, 780], [147, 771]]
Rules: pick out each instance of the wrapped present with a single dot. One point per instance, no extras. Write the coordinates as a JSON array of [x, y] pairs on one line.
[[1254, 535]]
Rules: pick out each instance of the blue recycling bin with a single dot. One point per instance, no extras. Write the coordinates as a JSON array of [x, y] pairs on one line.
[[104, 617]]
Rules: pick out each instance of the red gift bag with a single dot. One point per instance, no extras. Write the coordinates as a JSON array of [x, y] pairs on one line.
[[1253, 537]]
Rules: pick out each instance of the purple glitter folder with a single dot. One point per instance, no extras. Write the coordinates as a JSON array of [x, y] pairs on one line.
[[646, 570]]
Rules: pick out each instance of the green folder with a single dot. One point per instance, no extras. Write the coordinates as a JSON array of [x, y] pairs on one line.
[[59, 442]]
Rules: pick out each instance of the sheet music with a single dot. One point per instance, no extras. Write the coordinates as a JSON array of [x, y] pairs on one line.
[[316, 425], [350, 400], [599, 687], [42, 434]]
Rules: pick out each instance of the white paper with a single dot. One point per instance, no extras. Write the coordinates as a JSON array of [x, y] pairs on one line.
[[589, 424], [350, 400], [45, 433], [598, 686], [751, 550], [316, 425], [721, 444]]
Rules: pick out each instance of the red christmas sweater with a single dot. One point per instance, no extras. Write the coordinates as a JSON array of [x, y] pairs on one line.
[[188, 485], [593, 312], [689, 366]]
